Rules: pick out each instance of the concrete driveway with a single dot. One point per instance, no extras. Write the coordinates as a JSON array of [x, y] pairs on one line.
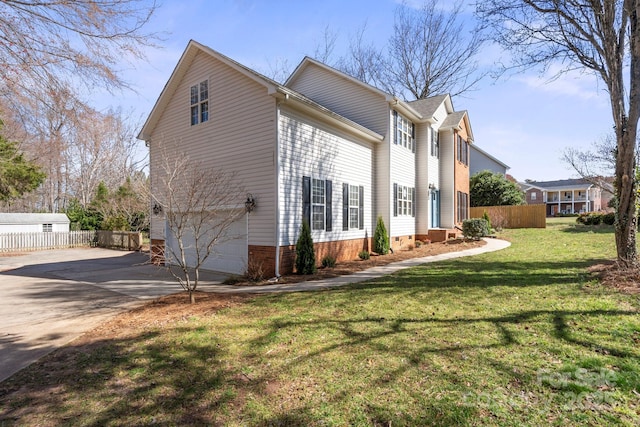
[[48, 298]]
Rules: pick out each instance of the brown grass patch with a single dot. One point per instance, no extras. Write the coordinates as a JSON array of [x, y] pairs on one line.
[[611, 275]]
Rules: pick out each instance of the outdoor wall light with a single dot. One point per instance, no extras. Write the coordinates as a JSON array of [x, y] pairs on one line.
[[250, 204], [157, 209]]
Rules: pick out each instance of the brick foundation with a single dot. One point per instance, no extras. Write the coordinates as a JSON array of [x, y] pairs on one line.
[[402, 242], [440, 235], [343, 250], [157, 251]]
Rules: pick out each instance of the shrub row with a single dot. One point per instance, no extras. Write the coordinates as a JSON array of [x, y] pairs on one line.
[[595, 218]]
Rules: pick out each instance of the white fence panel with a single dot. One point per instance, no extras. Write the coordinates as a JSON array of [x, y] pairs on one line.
[[10, 242]]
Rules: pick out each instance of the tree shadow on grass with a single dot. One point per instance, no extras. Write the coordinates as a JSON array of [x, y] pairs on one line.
[[463, 274], [589, 229], [186, 380]]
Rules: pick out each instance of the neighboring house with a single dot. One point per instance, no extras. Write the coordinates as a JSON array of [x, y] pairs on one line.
[[324, 147], [481, 160], [568, 196], [33, 222]]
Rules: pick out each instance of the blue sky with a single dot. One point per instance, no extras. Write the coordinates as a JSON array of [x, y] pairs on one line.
[[526, 120]]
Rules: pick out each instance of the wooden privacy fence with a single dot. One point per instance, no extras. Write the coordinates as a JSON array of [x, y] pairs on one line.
[[521, 216], [128, 241], [10, 242]]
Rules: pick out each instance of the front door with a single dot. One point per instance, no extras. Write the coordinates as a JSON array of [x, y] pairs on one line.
[[435, 209]]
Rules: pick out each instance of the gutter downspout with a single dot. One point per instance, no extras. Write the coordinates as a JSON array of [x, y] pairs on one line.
[[277, 165]]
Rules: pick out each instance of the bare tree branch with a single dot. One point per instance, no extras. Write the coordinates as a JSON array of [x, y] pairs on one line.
[[71, 41]]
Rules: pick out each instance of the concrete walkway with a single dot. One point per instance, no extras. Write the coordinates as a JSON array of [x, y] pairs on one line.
[[360, 276], [49, 298]]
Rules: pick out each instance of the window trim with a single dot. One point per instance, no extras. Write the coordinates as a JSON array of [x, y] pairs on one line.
[[318, 204], [199, 102], [462, 211], [349, 206], [435, 143], [463, 150], [404, 200], [309, 203], [404, 132]]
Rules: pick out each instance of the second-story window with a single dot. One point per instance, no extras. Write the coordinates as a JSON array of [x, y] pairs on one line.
[[200, 103], [435, 143], [404, 132], [463, 151]]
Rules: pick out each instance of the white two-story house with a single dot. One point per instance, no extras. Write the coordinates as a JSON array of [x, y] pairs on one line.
[[323, 147]]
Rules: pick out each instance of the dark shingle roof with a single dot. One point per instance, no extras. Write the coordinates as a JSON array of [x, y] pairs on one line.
[[428, 106]]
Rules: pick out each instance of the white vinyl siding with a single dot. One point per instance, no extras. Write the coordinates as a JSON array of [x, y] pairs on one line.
[[424, 171], [403, 174], [345, 97], [313, 149], [240, 137], [447, 191]]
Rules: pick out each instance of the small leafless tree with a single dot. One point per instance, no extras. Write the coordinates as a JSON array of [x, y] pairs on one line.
[[602, 38], [200, 205]]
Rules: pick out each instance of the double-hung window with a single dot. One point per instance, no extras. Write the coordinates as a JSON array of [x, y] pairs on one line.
[[318, 199], [463, 151], [200, 103], [404, 200], [463, 209], [352, 207], [404, 132], [47, 228], [316, 203], [435, 143]]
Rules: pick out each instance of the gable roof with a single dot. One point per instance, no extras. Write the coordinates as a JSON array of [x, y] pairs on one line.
[[273, 88], [474, 147], [402, 106], [34, 218], [428, 106], [456, 120]]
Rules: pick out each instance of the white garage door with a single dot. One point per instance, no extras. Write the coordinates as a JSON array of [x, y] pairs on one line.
[[228, 256]]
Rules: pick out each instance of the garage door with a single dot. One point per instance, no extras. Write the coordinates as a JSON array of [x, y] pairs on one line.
[[229, 256]]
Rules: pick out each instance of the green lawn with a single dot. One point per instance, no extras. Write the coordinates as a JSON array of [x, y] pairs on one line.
[[518, 337]]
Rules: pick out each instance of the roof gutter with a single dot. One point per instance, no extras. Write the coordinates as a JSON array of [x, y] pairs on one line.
[[322, 113]]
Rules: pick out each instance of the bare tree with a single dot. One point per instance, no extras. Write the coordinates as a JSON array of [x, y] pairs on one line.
[[430, 52], [598, 37], [102, 148], [324, 49], [199, 205], [72, 41], [594, 163], [365, 61]]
